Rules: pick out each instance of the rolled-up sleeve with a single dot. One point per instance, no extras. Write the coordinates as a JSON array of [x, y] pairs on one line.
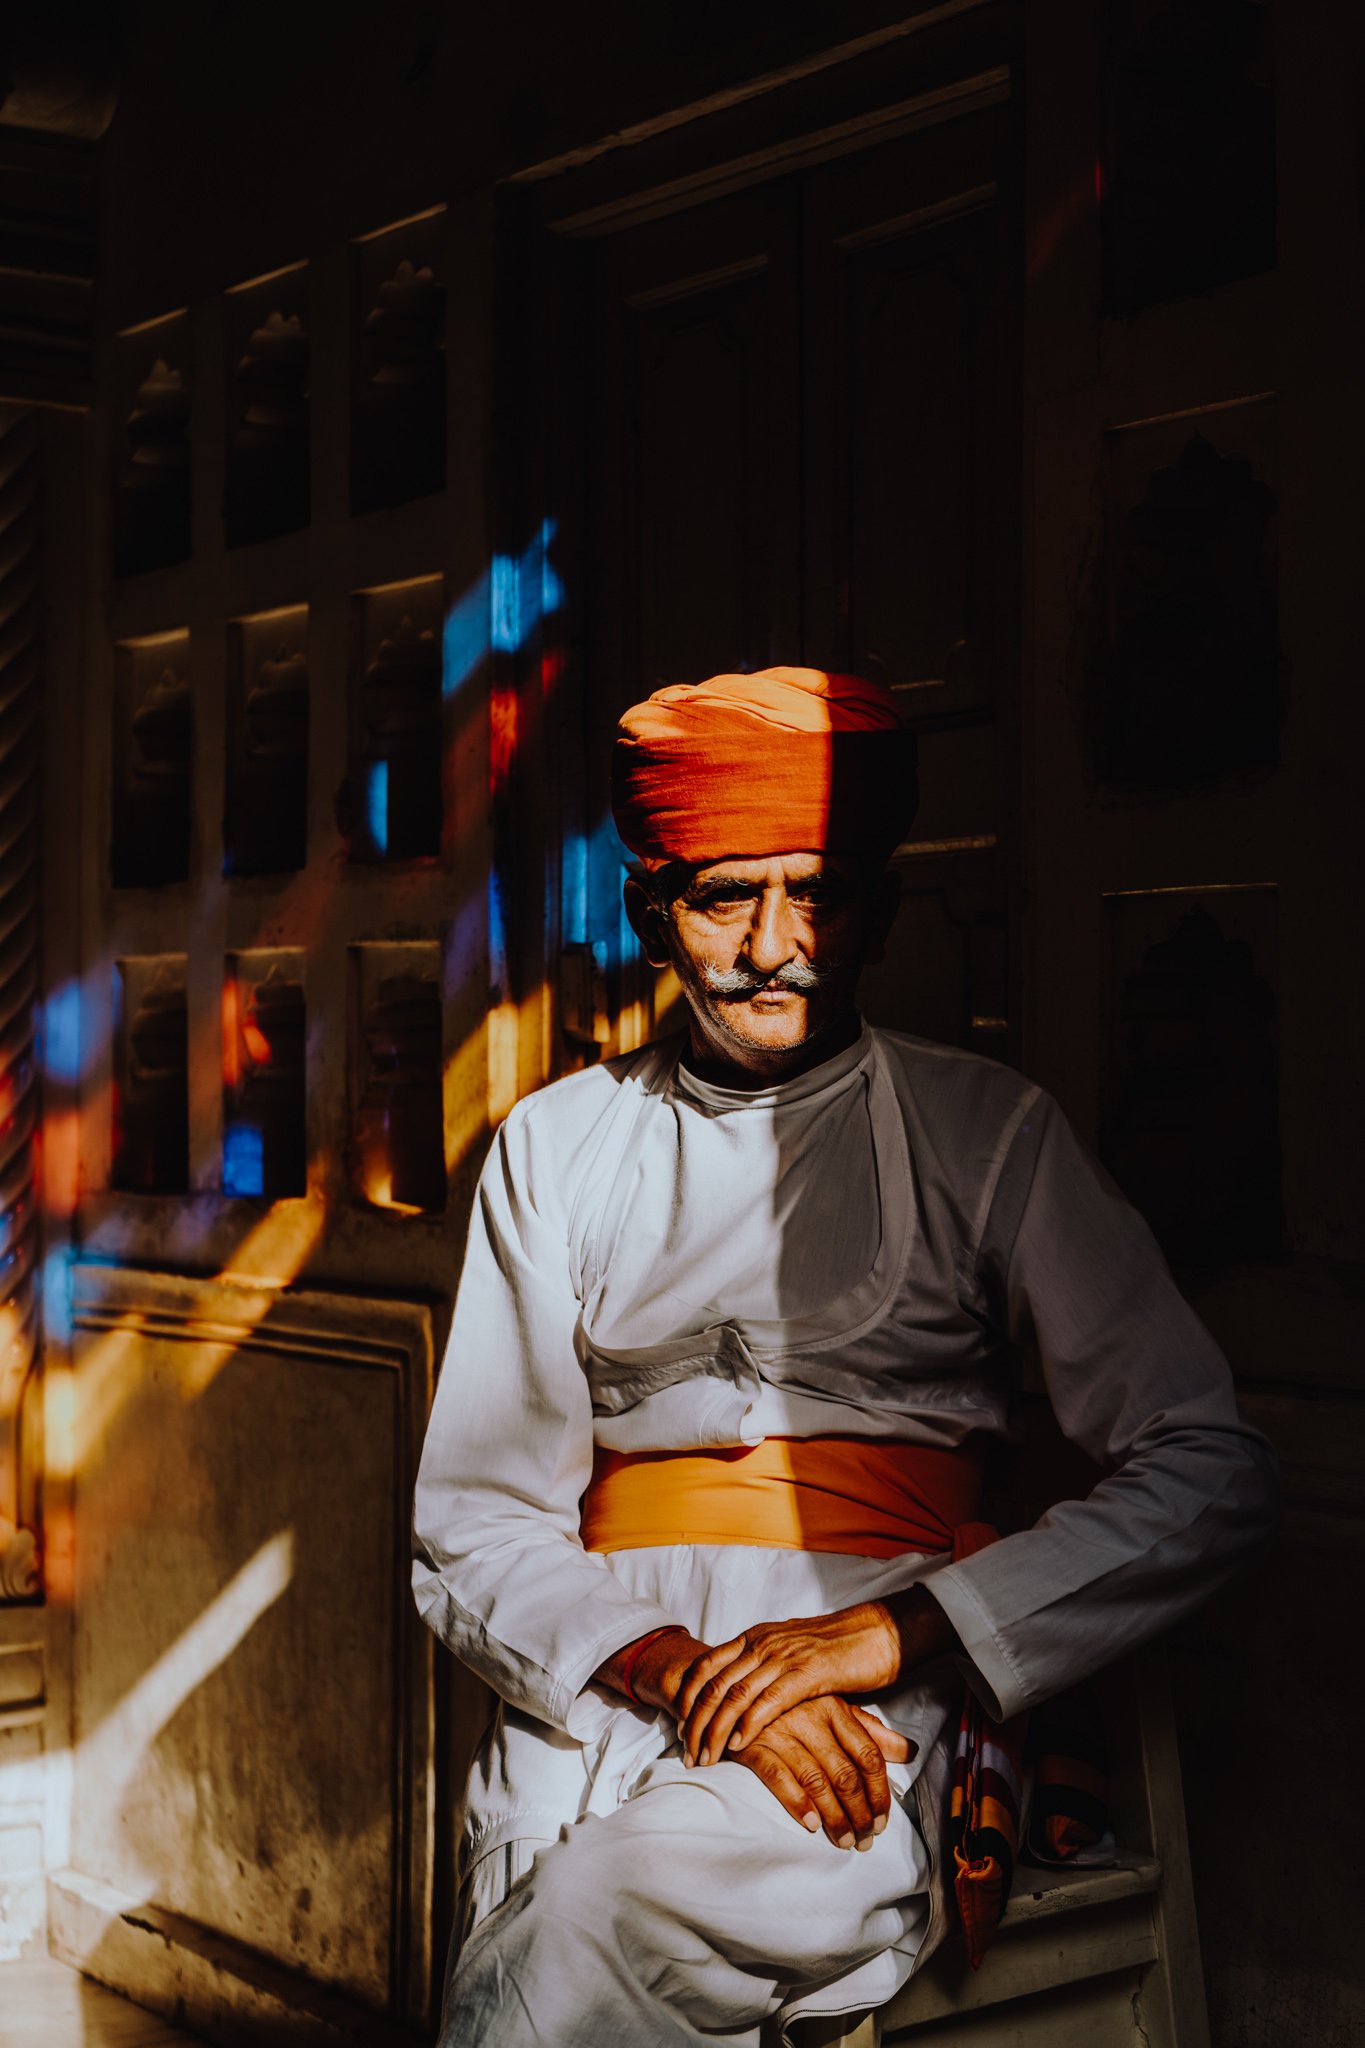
[[499, 1570], [1139, 1384]]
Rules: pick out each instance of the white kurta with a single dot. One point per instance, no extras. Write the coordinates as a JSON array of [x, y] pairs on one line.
[[659, 1264]]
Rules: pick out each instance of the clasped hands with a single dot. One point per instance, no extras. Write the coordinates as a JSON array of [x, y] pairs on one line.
[[774, 1699]]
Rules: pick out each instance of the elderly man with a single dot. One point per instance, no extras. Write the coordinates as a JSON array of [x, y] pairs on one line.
[[736, 1318]]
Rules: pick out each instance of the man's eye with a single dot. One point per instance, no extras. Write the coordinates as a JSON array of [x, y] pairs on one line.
[[731, 900]]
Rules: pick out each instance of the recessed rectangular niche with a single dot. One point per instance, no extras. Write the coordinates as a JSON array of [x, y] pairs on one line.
[[1190, 1126], [267, 363], [264, 1074], [398, 357], [265, 819], [945, 972], [153, 730], [151, 1149], [396, 1073], [1189, 678], [390, 806], [152, 452]]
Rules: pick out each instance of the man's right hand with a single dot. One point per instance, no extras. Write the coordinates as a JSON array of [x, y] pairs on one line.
[[825, 1761]]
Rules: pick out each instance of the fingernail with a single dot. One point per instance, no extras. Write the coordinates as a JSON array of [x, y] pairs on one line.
[[811, 1821], [845, 1841], [864, 1842], [705, 1757], [687, 1761], [879, 1824]]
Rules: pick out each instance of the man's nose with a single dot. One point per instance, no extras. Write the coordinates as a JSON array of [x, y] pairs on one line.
[[772, 936]]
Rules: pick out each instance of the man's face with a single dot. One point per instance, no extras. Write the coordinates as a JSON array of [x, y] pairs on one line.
[[768, 951]]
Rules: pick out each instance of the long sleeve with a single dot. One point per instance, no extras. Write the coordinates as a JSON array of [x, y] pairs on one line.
[[1138, 1383], [499, 1571]]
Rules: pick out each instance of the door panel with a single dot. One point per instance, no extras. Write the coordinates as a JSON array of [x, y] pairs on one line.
[[694, 525], [908, 572], [798, 426]]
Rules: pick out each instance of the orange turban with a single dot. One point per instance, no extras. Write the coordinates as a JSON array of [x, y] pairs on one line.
[[787, 760]]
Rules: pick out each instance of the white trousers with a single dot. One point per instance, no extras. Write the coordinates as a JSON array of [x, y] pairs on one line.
[[678, 1906], [692, 1914]]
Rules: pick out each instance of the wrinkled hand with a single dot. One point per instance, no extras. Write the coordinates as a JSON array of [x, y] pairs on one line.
[[733, 1692], [659, 1669], [825, 1762]]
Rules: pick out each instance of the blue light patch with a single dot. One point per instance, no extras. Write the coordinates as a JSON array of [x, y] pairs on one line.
[[59, 1032], [243, 1160], [526, 588], [377, 805], [501, 609], [467, 635], [55, 1289]]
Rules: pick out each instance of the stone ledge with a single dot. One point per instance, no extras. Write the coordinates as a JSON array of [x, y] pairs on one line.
[[196, 1978]]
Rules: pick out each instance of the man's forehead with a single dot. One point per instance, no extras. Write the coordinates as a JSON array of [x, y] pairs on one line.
[[772, 867]]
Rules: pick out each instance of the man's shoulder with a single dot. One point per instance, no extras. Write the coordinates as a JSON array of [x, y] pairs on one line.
[[567, 1110], [946, 1083]]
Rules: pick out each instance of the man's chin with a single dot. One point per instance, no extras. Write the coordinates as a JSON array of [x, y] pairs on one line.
[[766, 1026]]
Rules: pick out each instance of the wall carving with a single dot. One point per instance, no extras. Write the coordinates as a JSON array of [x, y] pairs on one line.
[[151, 1077], [264, 1076], [153, 766], [152, 509], [1191, 1130], [1190, 676], [269, 351], [398, 406], [265, 816], [390, 806], [20, 1416], [397, 1142]]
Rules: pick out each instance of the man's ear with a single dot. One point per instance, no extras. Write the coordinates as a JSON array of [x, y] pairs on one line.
[[648, 923], [886, 901]]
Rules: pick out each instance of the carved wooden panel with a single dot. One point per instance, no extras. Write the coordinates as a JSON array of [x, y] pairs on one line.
[[945, 976], [691, 383], [1189, 684], [265, 812], [696, 402], [152, 448], [390, 807], [264, 1073], [150, 1100], [253, 1707], [398, 387], [397, 1143], [152, 761], [267, 360], [909, 535], [1191, 1116]]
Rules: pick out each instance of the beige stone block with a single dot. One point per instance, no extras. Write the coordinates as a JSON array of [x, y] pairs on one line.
[[21, 1850], [247, 1666], [21, 1676]]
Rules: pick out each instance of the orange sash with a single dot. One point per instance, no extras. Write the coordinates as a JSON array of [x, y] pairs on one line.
[[868, 1496]]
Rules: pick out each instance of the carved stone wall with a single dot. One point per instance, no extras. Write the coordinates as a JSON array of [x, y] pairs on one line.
[[20, 1417]]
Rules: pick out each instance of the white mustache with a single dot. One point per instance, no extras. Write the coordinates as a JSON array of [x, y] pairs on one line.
[[797, 977]]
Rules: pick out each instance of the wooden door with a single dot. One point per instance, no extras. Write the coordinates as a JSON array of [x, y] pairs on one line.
[[789, 411]]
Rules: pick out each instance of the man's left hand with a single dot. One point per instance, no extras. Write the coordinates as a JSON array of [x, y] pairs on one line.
[[739, 1688], [734, 1691]]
